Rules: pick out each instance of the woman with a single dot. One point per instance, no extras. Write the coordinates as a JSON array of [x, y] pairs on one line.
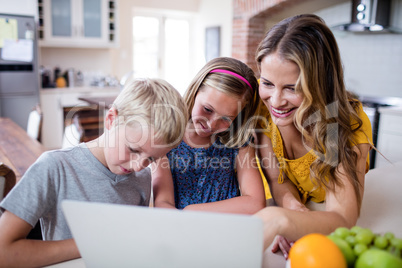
[[316, 138]]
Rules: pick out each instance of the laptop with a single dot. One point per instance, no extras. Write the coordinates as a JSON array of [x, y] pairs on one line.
[[111, 235]]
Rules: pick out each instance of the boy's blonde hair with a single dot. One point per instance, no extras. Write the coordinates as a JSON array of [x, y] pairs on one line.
[[158, 104]]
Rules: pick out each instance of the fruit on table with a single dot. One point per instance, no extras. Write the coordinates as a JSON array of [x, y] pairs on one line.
[[364, 236], [389, 235], [360, 246], [381, 242], [355, 247], [342, 232], [315, 251], [376, 258], [396, 242], [351, 240], [346, 249]]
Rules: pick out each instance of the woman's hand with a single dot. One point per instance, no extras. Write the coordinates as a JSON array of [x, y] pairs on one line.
[[282, 243], [297, 205]]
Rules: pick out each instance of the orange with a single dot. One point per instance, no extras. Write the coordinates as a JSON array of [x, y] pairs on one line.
[[61, 82], [316, 251]]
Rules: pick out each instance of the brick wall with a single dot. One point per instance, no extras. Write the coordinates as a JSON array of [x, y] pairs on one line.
[[249, 18]]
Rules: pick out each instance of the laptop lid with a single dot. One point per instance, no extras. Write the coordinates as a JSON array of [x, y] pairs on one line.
[[110, 235]]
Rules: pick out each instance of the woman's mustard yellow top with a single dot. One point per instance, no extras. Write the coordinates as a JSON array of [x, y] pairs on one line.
[[298, 170]]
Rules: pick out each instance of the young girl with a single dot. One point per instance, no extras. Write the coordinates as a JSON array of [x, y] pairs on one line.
[[317, 138], [214, 168]]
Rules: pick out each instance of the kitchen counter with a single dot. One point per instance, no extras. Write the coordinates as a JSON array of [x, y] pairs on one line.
[[56, 101], [104, 102], [376, 107], [381, 101], [391, 110], [389, 136], [68, 90]]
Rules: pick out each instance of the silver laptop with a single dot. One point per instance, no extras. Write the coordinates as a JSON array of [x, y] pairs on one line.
[[110, 235]]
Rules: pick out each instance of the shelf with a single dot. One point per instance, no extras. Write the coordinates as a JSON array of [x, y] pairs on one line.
[[112, 25]]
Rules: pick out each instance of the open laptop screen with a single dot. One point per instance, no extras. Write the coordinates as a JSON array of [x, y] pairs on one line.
[[110, 235]]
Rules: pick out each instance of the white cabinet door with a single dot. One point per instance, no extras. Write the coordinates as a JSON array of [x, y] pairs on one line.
[[389, 139], [60, 21], [77, 23], [390, 145]]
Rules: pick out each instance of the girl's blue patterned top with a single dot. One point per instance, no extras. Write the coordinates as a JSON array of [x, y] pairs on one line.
[[203, 175]]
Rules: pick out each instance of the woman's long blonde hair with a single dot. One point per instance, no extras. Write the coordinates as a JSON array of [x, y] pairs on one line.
[[243, 126], [325, 115]]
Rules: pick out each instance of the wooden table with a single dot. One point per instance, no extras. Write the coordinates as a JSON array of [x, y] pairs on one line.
[[17, 149], [381, 211]]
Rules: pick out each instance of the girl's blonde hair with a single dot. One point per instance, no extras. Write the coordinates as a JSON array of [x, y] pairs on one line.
[[158, 104], [242, 128], [326, 114]]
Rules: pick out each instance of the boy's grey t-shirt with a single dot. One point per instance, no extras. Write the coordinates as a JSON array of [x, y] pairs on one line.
[[74, 174]]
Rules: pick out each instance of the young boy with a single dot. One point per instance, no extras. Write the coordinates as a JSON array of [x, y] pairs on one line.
[[147, 120]]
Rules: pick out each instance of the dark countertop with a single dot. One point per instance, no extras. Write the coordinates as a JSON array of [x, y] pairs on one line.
[[378, 101], [105, 102]]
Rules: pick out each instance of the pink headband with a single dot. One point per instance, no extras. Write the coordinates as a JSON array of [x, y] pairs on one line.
[[232, 73]]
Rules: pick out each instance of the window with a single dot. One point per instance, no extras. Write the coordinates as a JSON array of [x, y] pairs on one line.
[[161, 48]]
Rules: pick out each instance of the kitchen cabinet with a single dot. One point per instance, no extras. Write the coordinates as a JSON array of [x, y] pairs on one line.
[[56, 102], [389, 136], [77, 23]]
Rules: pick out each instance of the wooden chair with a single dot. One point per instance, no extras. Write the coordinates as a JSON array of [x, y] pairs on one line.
[[7, 180], [35, 123]]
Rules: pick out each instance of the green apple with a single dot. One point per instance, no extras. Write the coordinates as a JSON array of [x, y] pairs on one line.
[[347, 251], [376, 258]]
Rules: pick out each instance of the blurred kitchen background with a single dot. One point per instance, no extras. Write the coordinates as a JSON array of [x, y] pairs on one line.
[[89, 47]]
